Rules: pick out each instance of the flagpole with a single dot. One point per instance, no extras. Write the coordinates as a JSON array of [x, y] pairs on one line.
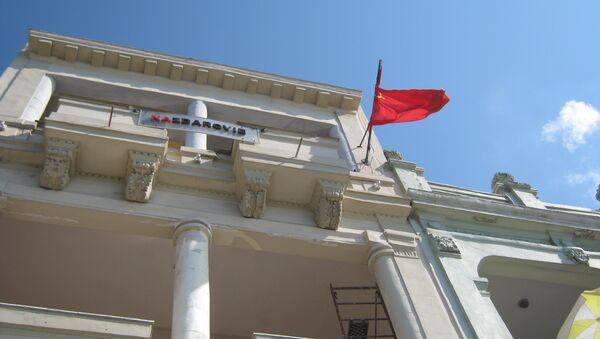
[[366, 161], [363, 138], [370, 127]]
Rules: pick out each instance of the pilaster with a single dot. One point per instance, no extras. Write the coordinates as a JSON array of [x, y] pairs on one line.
[[59, 163], [409, 175], [518, 192], [142, 168], [327, 203]]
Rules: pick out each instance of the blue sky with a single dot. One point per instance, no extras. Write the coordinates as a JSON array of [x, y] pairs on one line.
[[523, 76]]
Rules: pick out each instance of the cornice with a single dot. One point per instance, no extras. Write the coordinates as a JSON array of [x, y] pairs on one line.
[[126, 59], [485, 211]]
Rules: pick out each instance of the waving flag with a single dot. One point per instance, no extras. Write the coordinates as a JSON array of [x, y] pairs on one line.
[[391, 106]]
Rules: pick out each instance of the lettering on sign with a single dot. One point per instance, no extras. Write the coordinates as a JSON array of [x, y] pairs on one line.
[[198, 125]]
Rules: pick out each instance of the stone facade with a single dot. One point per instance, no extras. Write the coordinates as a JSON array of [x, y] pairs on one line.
[[440, 256]]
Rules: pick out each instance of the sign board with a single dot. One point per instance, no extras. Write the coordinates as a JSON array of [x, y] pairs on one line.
[[198, 125]]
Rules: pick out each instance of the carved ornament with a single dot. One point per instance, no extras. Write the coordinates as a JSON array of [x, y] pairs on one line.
[[485, 219], [445, 244], [142, 169], [254, 194], [578, 255], [327, 203], [59, 164], [585, 234]]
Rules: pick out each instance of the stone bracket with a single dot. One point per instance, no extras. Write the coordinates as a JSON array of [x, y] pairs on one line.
[[142, 168], [327, 203], [254, 193], [59, 164]]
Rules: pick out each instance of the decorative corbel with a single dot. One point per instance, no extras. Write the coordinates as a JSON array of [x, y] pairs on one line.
[[59, 164], [327, 203], [142, 168], [254, 193]]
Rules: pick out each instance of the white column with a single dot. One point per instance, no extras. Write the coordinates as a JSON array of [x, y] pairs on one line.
[[191, 296], [394, 292], [196, 109], [39, 100]]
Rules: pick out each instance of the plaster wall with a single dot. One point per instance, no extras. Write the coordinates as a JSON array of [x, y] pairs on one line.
[[466, 274]]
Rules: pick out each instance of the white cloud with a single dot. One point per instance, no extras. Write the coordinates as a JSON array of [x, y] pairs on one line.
[[576, 121], [581, 178]]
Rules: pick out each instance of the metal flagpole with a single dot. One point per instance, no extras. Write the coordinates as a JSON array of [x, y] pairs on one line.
[[366, 161], [370, 127], [363, 138]]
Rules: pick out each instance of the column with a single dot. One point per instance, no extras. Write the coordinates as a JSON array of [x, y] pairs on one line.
[[196, 109], [191, 296], [394, 292]]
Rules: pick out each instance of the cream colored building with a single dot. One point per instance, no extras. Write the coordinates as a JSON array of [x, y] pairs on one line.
[[127, 194]]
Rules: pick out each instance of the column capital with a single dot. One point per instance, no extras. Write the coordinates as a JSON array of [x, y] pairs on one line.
[[192, 224], [377, 250]]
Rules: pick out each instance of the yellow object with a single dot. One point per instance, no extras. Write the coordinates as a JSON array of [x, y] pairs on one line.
[[583, 321]]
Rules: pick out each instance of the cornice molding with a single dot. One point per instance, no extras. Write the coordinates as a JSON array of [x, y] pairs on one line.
[[474, 209], [100, 54]]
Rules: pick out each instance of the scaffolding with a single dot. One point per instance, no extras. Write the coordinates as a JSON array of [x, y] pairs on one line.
[[361, 312]]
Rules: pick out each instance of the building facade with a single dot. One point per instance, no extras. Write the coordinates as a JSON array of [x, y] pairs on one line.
[[219, 202]]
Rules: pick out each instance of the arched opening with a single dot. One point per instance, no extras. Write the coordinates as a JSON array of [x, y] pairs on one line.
[[532, 297]]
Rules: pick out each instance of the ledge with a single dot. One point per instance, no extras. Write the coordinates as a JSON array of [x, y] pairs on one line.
[[481, 210], [41, 319], [376, 203]]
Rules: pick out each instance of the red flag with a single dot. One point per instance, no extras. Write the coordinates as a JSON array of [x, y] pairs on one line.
[[391, 106]]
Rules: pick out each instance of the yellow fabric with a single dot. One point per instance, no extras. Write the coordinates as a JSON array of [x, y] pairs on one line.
[[580, 326], [592, 300]]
